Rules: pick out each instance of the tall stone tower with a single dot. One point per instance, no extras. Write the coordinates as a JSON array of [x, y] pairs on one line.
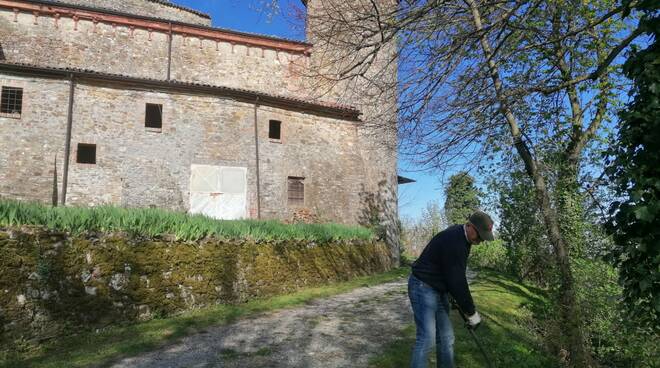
[[353, 62]]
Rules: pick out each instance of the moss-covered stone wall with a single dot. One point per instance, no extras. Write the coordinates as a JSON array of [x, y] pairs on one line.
[[54, 284]]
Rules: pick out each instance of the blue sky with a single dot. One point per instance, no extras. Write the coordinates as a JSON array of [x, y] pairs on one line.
[[253, 16], [250, 16]]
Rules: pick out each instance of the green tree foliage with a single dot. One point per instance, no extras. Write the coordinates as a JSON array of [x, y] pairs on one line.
[[462, 198], [635, 171], [493, 255], [521, 228], [432, 220], [612, 339]]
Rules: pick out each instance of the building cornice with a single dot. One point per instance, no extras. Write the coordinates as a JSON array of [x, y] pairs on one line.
[[319, 108], [56, 10], [189, 10]]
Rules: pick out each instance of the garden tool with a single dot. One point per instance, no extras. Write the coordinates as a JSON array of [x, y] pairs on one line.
[[471, 331]]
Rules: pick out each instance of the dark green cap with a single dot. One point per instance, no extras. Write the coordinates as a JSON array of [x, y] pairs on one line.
[[484, 225]]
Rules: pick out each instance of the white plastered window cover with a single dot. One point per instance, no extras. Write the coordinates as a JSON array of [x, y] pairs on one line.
[[219, 192]]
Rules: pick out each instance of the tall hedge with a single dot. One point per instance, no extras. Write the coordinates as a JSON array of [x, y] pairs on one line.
[[635, 172]]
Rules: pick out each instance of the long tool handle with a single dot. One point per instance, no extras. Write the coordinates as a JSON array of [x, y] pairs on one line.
[[481, 348], [471, 330]]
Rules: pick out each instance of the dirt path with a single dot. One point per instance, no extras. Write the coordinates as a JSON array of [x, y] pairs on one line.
[[340, 331]]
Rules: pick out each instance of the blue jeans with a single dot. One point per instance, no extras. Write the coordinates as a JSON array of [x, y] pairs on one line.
[[431, 310]]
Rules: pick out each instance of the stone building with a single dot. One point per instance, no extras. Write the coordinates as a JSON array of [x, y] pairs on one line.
[[141, 103]]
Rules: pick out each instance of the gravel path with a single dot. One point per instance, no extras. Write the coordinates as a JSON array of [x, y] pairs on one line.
[[341, 331]]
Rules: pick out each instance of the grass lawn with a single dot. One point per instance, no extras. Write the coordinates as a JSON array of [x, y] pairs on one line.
[[104, 347], [506, 308], [153, 222]]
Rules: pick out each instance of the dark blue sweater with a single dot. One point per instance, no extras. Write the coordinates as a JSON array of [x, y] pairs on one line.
[[442, 265]]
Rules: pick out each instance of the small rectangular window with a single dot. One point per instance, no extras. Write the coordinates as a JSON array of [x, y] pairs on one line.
[[296, 188], [11, 101], [153, 117], [274, 129], [86, 153]]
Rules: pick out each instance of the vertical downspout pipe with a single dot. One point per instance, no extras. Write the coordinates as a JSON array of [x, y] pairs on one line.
[[256, 148], [67, 144], [169, 53]]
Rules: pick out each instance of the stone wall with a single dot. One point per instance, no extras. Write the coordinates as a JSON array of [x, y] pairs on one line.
[[31, 144], [323, 151], [141, 167], [149, 8], [53, 284], [81, 44], [374, 94], [237, 66], [345, 166], [137, 52]]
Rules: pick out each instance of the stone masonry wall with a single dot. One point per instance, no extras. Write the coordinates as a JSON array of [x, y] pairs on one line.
[[30, 144], [53, 284], [102, 48], [236, 66], [324, 152], [147, 8], [375, 95], [352, 163], [139, 53], [141, 167]]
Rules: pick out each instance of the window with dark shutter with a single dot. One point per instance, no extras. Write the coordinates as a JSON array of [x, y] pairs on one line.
[[153, 117], [296, 188], [11, 101], [275, 129], [86, 153]]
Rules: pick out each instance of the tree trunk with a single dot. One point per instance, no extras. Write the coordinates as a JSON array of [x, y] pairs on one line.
[[578, 356], [571, 326]]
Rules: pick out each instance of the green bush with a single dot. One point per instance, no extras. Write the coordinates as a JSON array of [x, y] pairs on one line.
[[635, 174], [615, 341], [492, 255], [151, 222]]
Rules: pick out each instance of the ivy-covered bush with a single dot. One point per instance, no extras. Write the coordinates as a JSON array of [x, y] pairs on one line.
[[635, 172]]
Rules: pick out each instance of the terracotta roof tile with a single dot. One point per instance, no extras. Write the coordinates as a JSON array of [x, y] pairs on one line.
[[162, 2]]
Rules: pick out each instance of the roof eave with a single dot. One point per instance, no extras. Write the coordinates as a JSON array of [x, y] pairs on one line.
[[343, 113]]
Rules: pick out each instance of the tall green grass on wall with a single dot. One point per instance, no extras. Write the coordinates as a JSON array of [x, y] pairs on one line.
[[154, 222]]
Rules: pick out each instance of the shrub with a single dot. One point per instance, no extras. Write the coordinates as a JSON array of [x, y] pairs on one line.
[[615, 341], [491, 255]]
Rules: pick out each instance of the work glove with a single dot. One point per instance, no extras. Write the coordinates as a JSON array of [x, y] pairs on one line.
[[473, 321]]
